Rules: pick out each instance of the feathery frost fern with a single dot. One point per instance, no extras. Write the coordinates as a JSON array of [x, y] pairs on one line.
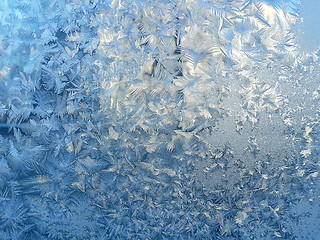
[[156, 120]]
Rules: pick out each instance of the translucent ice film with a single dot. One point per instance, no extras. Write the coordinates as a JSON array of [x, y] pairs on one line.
[[159, 119]]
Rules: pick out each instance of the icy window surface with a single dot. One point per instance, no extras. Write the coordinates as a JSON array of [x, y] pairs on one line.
[[153, 119]]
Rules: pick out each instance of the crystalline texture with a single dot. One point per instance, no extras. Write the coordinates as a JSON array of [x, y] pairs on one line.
[[157, 120]]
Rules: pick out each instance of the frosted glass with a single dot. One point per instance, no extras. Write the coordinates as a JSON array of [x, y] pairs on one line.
[[182, 119]]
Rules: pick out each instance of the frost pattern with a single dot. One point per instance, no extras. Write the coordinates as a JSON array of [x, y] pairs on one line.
[[157, 120]]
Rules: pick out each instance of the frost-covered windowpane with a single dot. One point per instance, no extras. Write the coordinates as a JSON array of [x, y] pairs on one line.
[[159, 119]]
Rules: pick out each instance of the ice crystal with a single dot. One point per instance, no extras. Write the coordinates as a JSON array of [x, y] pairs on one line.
[[157, 120]]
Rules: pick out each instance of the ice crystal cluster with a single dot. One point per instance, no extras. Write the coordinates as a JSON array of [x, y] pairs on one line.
[[157, 119]]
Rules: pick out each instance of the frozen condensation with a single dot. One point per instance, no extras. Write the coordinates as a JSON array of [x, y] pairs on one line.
[[152, 119]]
